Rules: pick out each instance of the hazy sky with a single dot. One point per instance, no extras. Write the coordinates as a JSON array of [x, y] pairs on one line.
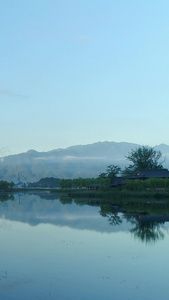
[[81, 71]]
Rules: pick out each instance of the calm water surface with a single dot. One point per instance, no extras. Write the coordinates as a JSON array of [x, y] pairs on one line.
[[55, 249]]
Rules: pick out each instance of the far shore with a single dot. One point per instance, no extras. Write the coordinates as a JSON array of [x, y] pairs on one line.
[[156, 194]]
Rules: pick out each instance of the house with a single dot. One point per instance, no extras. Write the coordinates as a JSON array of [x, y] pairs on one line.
[[117, 182], [140, 175], [93, 186], [145, 174]]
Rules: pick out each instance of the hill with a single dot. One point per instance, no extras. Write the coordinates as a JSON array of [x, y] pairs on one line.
[[72, 162]]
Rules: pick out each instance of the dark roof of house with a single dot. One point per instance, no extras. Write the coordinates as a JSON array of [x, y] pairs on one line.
[[154, 173], [118, 181], [93, 185]]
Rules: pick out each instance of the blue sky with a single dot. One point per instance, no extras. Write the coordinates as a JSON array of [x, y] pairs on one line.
[[77, 72]]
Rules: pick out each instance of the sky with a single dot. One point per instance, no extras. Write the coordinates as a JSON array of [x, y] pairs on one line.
[[81, 71]]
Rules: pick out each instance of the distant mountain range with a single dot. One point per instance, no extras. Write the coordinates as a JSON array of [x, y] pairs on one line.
[[72, 162]]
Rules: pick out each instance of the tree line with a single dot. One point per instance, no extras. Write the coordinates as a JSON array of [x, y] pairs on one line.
[[4, 185]]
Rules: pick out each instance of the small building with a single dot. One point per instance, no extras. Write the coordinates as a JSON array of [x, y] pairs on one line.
[[140, 175], [118, 182], [93, 186], [145, 174]]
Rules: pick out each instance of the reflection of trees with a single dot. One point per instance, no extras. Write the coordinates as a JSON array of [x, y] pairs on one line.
[[111, 214], [146, 228], [65, 200], [114, 219], [6, 196], [147, 231]]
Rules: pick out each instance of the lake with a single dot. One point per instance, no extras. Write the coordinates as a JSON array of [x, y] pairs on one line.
[[57, 248]]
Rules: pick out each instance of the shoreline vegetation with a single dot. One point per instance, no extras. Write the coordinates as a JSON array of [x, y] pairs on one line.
[[153, 188], [148, 189], [156, 193], [137, 202]]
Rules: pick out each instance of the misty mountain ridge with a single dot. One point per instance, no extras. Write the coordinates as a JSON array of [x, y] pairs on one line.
[[72, 162]]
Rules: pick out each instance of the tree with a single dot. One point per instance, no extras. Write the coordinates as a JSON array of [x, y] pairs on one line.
[[111, 172], [143, 158], [104, 184], [4, 185], [108, 176], [66, 183], [102, 175]]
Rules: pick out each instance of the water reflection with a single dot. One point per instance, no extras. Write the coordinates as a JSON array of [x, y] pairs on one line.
[[65, 200], [37, 208], [146, 230], [6, 196], [61, 248], [113, 215]]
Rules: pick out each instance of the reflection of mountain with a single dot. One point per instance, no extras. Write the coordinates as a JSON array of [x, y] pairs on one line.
[[43, 208], [34, 210]]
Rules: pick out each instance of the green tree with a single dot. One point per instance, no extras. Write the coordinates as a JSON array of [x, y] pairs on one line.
[[111, 172], [4, 185], [66, 183], [102, 175], [108, 176], [104, 184], [143, 158]]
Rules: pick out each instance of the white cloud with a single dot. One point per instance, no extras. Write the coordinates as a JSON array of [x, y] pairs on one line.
[[82, 157]]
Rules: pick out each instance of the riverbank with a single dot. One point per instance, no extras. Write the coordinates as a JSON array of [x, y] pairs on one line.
[[120, 194]]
